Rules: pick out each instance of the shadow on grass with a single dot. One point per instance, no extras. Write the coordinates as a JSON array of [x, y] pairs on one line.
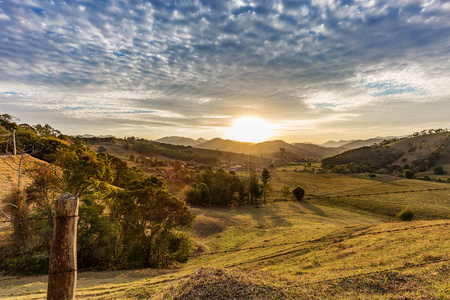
[[312, 208]]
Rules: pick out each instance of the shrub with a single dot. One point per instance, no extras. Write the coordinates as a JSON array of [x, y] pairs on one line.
[[298, 193], [406, 214], [408, 173], [371, 175], [439, 171], [426, 178]]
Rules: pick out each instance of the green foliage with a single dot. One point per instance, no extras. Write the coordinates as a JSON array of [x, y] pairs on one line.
[[298, 193], [265, 178], [406, 214], [144, 221], [408, 173], [371, 175], [254, 189], [7, 122], [151, 219], [199, 195], [217, 188], [83, 168]]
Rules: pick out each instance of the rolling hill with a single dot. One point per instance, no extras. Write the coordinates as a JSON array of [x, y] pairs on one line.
[[178, 140]]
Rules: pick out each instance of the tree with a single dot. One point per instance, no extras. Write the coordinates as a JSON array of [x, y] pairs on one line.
[[254, 188], [439, 171], [298, 193], [408, 173], [282, 150], [406, 214], [151, 221], [83, 168], [265, 178]]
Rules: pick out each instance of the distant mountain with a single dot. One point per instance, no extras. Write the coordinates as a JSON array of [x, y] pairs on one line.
[[226, 145], [362, 143], [353, 144], [178, 140], [275, 146], [334, 144], [319, 150], [90, 136], [268, 149]]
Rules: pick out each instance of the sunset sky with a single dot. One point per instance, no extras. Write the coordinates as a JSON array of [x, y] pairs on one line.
[[311, 71]]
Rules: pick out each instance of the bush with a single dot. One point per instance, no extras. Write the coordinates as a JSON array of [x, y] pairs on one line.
[[426, 178], [406, 214], [371, 175], [408, 173], [298, 193], [439, 171]]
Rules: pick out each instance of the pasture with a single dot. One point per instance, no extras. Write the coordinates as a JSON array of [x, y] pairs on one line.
[[301, 250]]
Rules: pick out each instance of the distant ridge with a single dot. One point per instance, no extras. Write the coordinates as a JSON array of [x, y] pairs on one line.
[[179, 140], [90, 136], [334, 144], [353, 144]]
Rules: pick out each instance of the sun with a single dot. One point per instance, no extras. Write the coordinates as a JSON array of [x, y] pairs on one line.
[[250, 129]]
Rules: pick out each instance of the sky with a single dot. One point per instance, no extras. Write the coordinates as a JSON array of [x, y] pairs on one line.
[[314, 70]]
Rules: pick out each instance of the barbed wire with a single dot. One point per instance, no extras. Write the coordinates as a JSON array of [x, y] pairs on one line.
[[311, 197]]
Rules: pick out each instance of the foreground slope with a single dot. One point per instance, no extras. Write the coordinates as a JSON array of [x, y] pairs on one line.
[[311, 249]]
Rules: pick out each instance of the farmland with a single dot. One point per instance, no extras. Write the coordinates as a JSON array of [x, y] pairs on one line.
[[280, 249]]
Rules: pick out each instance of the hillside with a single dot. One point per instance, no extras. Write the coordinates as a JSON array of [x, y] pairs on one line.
[[335, 144], [9, 174], [178, 140], [419, 147], [267, 149], [361, 143], [351, 248], [320, 150], [352, 144]]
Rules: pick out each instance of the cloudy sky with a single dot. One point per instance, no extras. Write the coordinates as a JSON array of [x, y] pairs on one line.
[[315, 70]]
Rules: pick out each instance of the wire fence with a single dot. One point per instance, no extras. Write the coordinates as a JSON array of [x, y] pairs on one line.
[[320, 239], [310, 197]]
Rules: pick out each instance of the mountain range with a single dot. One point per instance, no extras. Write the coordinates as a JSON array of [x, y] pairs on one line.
[[275, 148]]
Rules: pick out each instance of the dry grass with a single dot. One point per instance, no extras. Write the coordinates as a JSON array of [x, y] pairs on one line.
[[219, 283], [280, 250], [9, 176]]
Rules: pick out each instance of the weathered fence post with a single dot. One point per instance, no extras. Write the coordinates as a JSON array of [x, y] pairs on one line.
[[62, 276]]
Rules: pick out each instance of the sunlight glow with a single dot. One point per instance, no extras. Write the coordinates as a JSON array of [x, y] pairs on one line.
[[250, 129]]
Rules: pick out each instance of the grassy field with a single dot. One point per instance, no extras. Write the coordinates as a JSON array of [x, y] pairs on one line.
[[314, 249]]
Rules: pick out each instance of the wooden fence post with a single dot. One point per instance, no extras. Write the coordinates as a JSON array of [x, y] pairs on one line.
[[62, 276]]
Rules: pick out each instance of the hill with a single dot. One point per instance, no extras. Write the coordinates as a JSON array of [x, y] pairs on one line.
[[362, 143], [334, 144], [267, 149], [226, 145], [419, 147], [320, 150], [178, 140], [346, 247], [352, 144]]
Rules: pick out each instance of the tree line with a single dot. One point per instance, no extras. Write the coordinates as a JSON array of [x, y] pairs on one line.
[[126, 216]]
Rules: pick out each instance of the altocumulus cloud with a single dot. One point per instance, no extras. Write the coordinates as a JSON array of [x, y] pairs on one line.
[[184, 67]]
